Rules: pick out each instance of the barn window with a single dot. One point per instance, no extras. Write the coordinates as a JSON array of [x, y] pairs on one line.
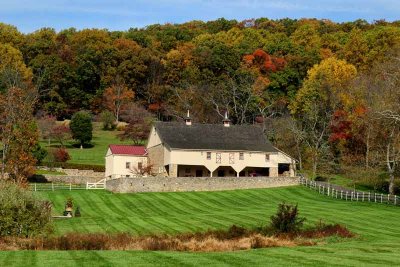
[[139, 165], [266, 157], [208, 155], [218, 158], [231, 158], [241, 156], [128, 165]]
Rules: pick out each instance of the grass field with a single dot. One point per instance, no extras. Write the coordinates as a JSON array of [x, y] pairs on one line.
[[377, 226], [93, 155]]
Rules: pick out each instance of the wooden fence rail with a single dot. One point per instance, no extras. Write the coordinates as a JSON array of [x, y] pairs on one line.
[[55, 186], [348, 194]]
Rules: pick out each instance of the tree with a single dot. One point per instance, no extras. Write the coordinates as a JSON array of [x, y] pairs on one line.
[[46, 125], [81, 127], [116, 96], [323, 92], [19, 134], [60, 133], [139, 123], [108, 120]]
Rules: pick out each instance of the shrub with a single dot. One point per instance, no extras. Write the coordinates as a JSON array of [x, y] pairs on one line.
[[78, 212], [22, 214], [61, 155], [108, 120], [286, 219], [39, 153], [320, 178], [68, 165]]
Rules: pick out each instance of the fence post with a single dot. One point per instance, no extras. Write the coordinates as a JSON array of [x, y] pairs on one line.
[[369, 196], [346, 195], [388, 199], [363, 197], [357, 196], [336, 193], [70, 186], [381, 198], [35, 187], [341, 194], [52, 186]]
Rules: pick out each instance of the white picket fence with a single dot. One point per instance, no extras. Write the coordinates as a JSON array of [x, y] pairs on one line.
[[349, 195]]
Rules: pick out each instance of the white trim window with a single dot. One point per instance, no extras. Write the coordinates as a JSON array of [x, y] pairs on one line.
[[267, 157], [231, 158], [241, 156], [218, 158], [208, 155], [127, 165]]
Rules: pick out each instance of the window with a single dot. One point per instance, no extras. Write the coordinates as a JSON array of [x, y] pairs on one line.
[[127, 176], [187, 170], [266, 157], [241, 156], [231, 158], [208, 155], [218, 158], [139, 165], [128, 165]]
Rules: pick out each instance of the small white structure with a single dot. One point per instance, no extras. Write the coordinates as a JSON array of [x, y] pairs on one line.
[[125, 160]]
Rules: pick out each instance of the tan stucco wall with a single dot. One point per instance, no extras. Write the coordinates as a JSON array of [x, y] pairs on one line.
[[251, 159], [116, 164]]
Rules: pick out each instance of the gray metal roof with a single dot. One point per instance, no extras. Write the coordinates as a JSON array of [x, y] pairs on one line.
[[213, 137]]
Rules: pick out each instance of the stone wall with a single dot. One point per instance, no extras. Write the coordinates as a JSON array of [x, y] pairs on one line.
[[156, 157], [181, 184]]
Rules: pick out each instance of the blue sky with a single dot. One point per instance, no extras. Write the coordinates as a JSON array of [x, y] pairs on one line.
[[30, 15]]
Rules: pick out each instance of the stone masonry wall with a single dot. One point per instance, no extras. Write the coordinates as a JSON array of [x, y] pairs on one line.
[[181, 184]]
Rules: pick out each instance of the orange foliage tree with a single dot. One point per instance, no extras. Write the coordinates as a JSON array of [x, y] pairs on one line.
[[116, 96], [19, 133]]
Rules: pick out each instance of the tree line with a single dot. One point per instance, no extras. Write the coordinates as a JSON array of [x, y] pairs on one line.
[[323, 91]]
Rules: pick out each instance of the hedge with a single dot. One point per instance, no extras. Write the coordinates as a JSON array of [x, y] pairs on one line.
[[67, 165]]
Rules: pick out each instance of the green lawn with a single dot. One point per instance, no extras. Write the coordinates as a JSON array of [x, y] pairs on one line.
[[94, 155], [377, 225]]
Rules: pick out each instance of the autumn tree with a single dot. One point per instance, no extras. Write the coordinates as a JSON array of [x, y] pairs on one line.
[[19, 134], [139, 123], [115, 97], [323, 92]]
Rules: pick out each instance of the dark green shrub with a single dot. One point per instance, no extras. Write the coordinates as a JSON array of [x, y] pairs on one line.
[[78, 212], [67, 165], [286, 219], [39, 153], [320, 178], [21, 213]]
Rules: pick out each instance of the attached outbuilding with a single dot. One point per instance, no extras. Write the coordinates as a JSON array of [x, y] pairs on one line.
[[125, 160]]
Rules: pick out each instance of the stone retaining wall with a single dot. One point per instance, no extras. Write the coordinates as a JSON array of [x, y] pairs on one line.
[[181, 184]]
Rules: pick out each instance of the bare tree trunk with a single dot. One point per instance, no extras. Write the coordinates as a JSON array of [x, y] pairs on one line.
[[367, 148]]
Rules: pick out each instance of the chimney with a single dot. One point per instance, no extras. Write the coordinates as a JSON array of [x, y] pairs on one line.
[[226, 121], [188, 120]]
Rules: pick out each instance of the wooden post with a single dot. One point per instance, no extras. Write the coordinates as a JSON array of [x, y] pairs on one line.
[[357, 196], [381, 198], [70, 186], [388, 199], [341, 194], [369, 196], [52, 186]]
